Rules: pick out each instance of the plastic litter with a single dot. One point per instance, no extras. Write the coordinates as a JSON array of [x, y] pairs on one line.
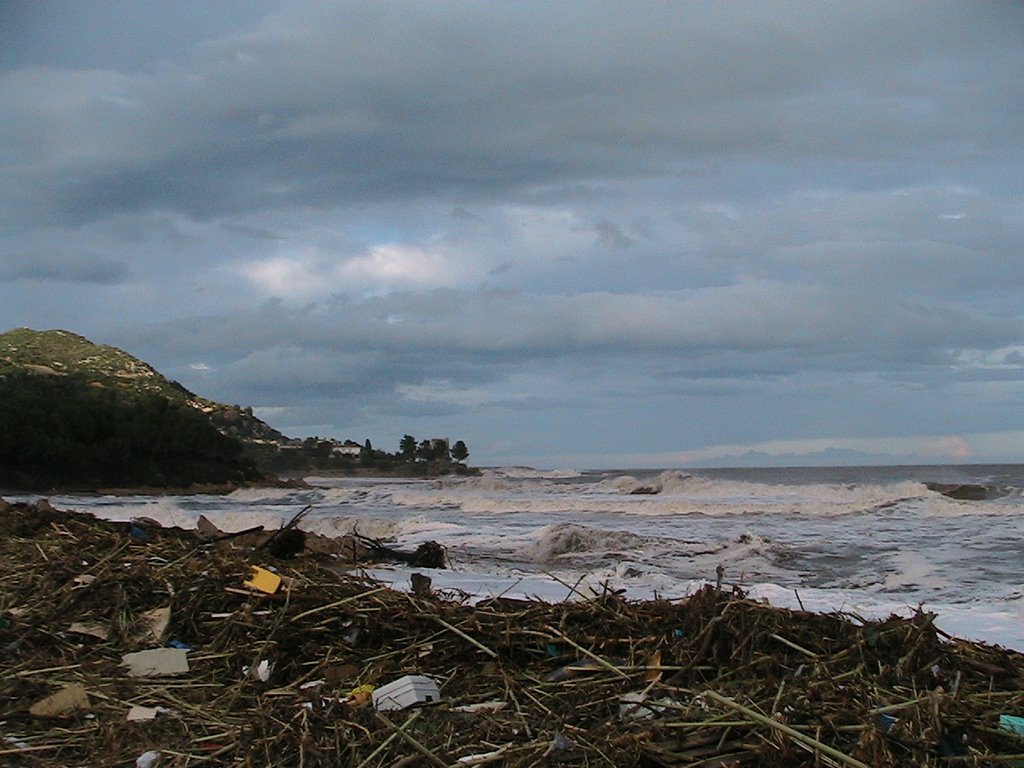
[[359, 695], [484, 706], [262, 671], [1012, 724], [885, 722], [139, 713], [263, 580], [406, 692]]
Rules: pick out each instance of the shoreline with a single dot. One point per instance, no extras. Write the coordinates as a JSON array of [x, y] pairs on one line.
[[289, 481], [660, 682]]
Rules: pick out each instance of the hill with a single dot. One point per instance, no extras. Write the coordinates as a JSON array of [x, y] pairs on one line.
[[75, 414], [80, 415], [62, 353]]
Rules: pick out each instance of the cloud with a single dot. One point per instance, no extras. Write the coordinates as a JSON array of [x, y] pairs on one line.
[[301, 108], [49, 267], [686, 225]]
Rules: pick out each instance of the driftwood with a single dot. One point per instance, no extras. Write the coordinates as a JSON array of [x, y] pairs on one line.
[[429, 554], [713, 679], [290, 541]]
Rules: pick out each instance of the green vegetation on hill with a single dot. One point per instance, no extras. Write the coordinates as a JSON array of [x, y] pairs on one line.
[[61, 353], [58, 431], [74, 414]]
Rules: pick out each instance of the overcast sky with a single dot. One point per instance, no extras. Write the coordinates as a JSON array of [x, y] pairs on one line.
[[570, 234]]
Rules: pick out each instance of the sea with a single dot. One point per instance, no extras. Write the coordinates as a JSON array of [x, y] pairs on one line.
[[867, 542]]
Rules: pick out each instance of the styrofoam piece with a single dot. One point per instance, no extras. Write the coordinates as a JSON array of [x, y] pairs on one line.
[[405, 692]]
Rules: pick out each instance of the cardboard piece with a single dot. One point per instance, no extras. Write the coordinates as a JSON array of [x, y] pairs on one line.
[[154, 624], [156, 662], [63, 702], [101, 631]]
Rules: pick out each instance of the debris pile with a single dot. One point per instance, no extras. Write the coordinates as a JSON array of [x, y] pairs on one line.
[[121, 649]]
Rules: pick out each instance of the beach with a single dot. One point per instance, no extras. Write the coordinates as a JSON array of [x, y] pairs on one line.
[[865, 540], [288, 666]]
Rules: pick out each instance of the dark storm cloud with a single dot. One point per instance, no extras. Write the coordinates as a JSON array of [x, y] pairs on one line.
[[342, 102], [63, 268], [758, 220]]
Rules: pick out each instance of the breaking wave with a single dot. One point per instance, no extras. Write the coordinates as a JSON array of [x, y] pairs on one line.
[[561, 539]]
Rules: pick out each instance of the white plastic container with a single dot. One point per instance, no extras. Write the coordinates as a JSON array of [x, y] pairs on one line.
[[405, 692]]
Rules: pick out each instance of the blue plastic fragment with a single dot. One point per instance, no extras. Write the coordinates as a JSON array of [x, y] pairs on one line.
[[179, 644], [884, 721], [1012, 724], [138, 533], [552, 650], [678, 632]]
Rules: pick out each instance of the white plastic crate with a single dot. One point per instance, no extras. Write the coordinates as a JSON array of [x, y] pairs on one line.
[[405, 692]]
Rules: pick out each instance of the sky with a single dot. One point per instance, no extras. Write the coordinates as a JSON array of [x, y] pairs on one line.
[[572, 235]]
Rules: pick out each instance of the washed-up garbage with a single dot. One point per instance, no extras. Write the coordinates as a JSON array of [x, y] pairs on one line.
[[139, 713], [359, 695], [84, 580], [259, 672], [156, 662], [263, 580], [90, 629], [640, 706], [154, 623], [482, 707], [406, 692], [885, 722], [149, 759], [65, 701], [727, 680], [1012, 723]]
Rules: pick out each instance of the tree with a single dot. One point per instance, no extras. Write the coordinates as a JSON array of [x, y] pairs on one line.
[[459, 451], [425, 450], [407, 446], [366, 457]]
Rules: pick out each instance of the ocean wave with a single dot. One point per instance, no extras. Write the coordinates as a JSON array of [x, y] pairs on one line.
[[560, 539], [528, 473]]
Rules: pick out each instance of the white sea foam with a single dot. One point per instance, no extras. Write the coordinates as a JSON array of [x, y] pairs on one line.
[[876, 543], [529, 472], [560, 539]]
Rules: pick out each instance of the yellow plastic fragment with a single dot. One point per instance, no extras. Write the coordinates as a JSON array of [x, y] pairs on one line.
[[359, 695], [263, 580]]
